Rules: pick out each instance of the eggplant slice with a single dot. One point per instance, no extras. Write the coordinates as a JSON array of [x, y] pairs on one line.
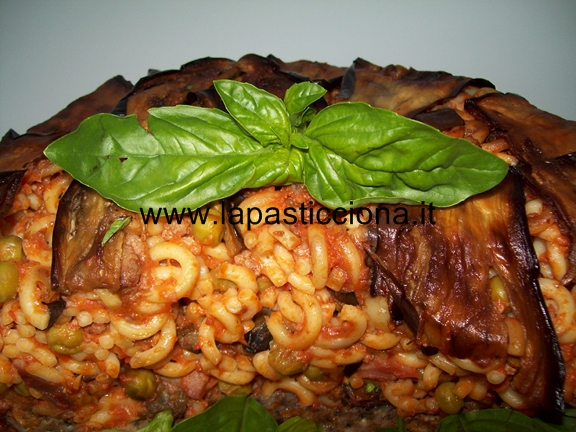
[[9, 184], [444, 270], [193, 83], [18, 151], [542, 142], [396, 88], [80, 261]]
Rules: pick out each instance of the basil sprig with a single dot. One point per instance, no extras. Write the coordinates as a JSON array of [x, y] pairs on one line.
[[117, 225], [347, 154]]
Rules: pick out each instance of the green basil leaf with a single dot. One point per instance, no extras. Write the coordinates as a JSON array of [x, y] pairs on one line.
[[299, 96], [299, 424], [202, 155], [260, 113], [231, 414], [298, 140], [162, 422], [501, 420], [403, 158], [202, 130], [326, 178], [283, 166], [297, 99], [301, 119], [116, 226], [308, 115]]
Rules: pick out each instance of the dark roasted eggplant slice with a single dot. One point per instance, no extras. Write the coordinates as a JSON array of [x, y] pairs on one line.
[[80, 262], [55, 308], [538, 139], [265, 74], [405, 91], [17, 152], [9, 184], [172, 87], [444, 119], [193, 83], [445, 271], [314, 71]]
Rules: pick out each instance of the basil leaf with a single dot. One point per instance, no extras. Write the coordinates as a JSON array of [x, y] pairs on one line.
[[260, 113], [202, 155], [351, 154], [281, 167], [162, 422], [297, 99], [308, 115], [501, 420], [299, 424], [299, 96], [327, 181], [404, 159], [231, 414], [202, 130], [116, 226]]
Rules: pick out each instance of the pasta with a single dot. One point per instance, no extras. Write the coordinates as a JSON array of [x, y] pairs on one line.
[[175, 318], [287, 271]]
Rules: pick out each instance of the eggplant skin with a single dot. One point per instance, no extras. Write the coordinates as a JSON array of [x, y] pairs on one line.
[[9, 184], [444, 270], [17, 151], [543, 143], [408, 92], [193, 83], [80, 262]]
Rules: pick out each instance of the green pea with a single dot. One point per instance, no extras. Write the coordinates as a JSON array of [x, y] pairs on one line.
[[263, 282], [370, 387], [234, 389], [65, 340], [313, 373], [9, 279], [448, 401], [139, 384], [3, 388], [11, 248], [221, 284], [285, 361], [211, 231]]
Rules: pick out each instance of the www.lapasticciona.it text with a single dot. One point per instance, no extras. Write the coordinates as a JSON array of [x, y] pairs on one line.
[[304, 214]]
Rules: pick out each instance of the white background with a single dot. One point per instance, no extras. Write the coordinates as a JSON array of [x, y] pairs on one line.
[[52, 52]]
